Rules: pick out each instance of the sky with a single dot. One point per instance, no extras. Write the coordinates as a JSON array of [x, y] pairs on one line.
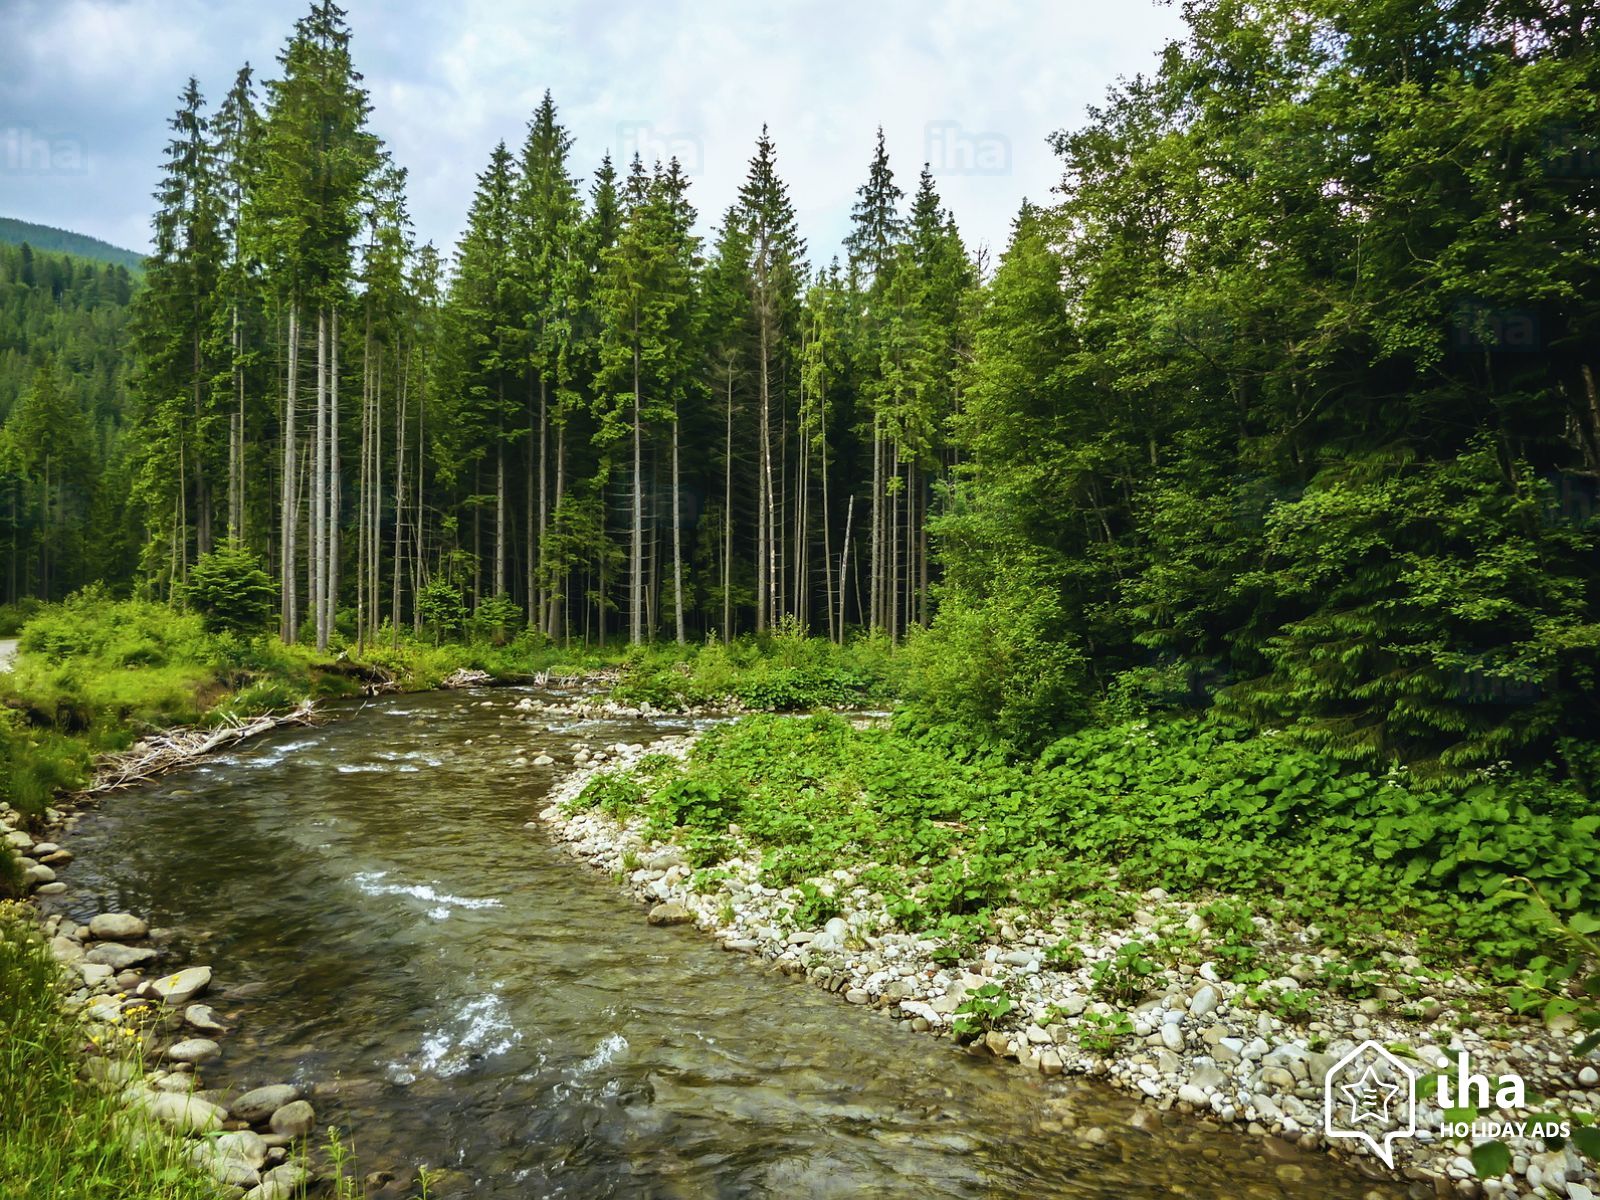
[[973, 87]]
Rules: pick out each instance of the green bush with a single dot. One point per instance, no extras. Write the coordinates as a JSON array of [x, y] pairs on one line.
[[230, 591]]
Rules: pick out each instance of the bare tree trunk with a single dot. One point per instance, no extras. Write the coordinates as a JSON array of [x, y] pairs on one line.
[[500, 517], [844, 565], [544, 617], [835, 631], [677, 533], [727, 518], [770, 565], [288, 626], [319, 490], [375, 538], [558, 591], [330, 578], [399, 500], [364, 484], [636, 548], [236, 440], [875, 553], [892, 600]]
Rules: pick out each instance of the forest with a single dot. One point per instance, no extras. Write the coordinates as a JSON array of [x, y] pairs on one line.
[[1286, 401], [1229, 537]]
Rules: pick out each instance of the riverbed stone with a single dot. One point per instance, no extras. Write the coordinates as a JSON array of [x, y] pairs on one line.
[[199, 1016], [295, 1119], [119, 957], [670, 912], [64, 950], [185, 1113], [182, 986], [193, 1050], [259, 1104], [117, 927], [1204, 1001]]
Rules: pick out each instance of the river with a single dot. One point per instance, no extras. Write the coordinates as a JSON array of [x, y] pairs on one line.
[[460, 992]]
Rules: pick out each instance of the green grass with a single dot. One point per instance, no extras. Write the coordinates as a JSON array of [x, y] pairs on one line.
[[64, 1139]]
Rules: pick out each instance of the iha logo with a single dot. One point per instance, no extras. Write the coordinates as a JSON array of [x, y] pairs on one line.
[[1371, 1095]]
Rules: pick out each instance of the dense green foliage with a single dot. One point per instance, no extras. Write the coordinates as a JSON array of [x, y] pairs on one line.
[[779, 672], [1196, 806], [1291, 401], [64, 1137]]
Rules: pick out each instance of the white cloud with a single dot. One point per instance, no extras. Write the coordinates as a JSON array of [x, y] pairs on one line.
[[984, 84]]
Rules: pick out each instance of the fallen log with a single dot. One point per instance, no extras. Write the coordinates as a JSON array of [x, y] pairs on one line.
[[177, 747]]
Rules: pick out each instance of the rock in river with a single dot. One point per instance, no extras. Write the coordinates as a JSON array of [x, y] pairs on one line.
[[119, 957], [183, 986], [296, 1119], [193, 1050], [256, 1106], [183, 1112], [117, 927], [198, 1016], [670, 913]]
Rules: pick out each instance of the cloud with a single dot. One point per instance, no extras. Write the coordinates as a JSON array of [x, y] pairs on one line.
[[975, 88]]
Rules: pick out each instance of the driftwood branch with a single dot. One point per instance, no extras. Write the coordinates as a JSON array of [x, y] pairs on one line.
[[177, 747]]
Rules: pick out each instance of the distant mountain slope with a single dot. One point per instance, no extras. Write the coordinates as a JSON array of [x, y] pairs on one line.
[[62, 241]]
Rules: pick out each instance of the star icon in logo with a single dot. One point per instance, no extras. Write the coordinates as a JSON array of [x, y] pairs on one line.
[[1370, 1097]]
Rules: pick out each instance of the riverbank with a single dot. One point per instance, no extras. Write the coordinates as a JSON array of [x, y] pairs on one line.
[[1148, 1000]]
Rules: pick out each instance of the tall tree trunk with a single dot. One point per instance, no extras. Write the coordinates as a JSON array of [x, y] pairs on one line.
[[364, 483], [236, 437], [398, 563], [288, 626], [545, 617], [727, 517], [835, 631], [769, 524], [844, 565], [500, 517], [875, 555], [677, 533], [330, 578], [558, 589], [636, 548], [319, 484]]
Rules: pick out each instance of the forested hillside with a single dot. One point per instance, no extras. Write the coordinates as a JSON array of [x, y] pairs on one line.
[[64, 241], [1286, 402], [63, 398]]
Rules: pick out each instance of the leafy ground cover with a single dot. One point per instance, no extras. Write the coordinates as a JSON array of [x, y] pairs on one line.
[[1195, 805]]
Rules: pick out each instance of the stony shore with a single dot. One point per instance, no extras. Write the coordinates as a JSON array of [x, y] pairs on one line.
[[1192, 1040], [148, 1033]]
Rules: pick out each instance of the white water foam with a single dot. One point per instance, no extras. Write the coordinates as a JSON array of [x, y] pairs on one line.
[[370, 883], [482, 1027], [609, 1048]]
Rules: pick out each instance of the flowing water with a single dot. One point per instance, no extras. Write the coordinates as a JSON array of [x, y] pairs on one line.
[[460, 992]]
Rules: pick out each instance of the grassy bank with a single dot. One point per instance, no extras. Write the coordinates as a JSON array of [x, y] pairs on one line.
[[64, 1138]]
